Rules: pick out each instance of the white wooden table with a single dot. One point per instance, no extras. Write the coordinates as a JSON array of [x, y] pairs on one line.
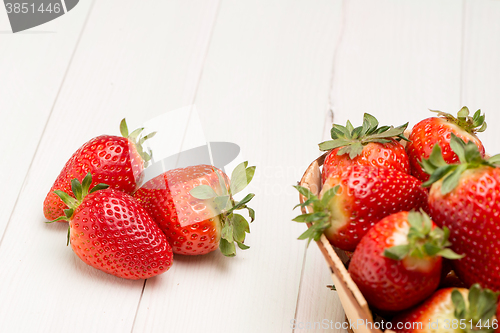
[[263, 74]]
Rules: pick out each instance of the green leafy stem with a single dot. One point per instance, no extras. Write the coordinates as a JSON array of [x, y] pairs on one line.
[[320, 217], [234, 226]]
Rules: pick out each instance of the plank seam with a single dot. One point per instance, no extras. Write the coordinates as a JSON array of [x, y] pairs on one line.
[[300, 285], [338, 44], [26, 177], [138, 305], [192, 100], [325, 135], [205, 55], [198, 80]]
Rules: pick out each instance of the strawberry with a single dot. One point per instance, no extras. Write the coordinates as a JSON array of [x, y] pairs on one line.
[[109, 230], [352, 201], [398, 262], [116, 161], [194, 207], [447, 310], [365, 145], [437, 130], [465, 197]]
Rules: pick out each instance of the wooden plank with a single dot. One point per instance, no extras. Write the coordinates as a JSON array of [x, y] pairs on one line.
[[319, 308], [264, 87], [397, 59], [132, 61], [41, 54], [481, 69]]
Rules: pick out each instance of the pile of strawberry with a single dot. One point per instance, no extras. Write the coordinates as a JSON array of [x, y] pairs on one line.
[[419, 218], [131, 230]]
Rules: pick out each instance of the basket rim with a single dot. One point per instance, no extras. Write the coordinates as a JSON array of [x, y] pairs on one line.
[[332, 258]]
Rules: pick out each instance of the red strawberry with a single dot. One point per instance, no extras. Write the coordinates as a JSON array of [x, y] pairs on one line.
[[437, 130], [465, 198], [398, 262], [109, 230], [195, 209], [365, 145], [448, 311], [352, 201], [116, 161]]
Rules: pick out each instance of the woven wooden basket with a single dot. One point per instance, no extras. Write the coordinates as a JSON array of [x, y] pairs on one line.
[[354, 304]]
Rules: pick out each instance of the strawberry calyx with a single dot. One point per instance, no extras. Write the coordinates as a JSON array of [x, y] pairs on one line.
[[478, 312], [320, 217], [469, 156], [234, 226], [80, 191], [352, 140], [423, 240], [470, 124], [137, 140]]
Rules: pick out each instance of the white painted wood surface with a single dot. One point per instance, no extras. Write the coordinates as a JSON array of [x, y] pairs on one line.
[[481, 69], [397, 59], [33, 65], [268, 61], [262, 74]]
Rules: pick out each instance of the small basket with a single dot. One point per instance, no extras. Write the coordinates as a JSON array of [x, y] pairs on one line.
[[358, 314]]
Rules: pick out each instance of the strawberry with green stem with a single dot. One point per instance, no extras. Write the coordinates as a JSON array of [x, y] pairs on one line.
[[195, 208], [465, 197], [365, 145], [116, 161], [352, 201], [398, 262], [438, 130], [109, 230], [452, 310]]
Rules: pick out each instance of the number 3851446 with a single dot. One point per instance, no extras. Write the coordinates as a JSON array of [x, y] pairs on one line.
[[18, 7]]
